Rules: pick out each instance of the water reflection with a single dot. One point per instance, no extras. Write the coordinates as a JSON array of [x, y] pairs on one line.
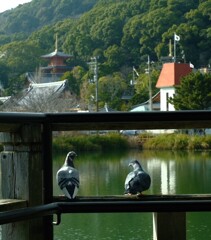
[[104, 174]]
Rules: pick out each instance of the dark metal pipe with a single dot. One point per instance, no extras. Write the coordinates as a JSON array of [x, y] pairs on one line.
[[23, 214], [15, 117], [113, 120], [135, 206], [105, 207]]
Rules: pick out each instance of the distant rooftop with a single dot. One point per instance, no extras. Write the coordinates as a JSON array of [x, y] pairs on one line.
[[172, 73], [35, 89], [56, 54]]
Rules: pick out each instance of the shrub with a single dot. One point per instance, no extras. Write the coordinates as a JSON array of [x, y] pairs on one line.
[[89, 142]]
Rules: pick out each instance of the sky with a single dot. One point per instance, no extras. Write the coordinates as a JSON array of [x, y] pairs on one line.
[[8, 4]]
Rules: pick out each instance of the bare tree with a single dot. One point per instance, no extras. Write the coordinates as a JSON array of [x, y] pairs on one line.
[[44, 100]]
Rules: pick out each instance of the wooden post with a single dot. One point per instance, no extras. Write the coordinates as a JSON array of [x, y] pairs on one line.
[[22, 178], [171, 225]]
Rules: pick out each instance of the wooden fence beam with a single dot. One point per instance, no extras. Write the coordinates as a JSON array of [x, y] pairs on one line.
[[22, 178], [169, 225]]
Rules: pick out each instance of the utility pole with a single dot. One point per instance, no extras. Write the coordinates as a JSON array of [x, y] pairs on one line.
[[94, 63], [150, 83]]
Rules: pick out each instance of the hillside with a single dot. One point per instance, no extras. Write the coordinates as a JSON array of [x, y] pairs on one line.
[[128, 31], [121, 33], [28, 17]]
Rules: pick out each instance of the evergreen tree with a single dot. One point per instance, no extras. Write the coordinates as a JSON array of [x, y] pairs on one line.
[[193, 93]]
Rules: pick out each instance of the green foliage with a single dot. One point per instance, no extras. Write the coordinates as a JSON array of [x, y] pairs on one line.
[[89, 142], [15, 84], [178, 142], [142, 84], [160, 142], [20, 57], [193, 93], [111, 88], [132, 26], [122, 33], [31, 16], [3, 75], [75, 79]]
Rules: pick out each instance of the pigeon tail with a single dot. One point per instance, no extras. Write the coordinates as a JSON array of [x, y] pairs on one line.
[[70, 191]]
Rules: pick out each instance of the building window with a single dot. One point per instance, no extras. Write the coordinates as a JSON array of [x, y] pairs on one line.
[[167, 104]]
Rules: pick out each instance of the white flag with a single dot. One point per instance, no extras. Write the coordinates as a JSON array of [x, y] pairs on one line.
[[176, 37], [191, 65]]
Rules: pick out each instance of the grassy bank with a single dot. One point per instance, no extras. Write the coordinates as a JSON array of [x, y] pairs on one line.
[[178, 142], [90, 142], [116, 141]]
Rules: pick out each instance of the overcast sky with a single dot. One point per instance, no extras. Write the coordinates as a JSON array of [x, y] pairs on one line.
[[8, 4]]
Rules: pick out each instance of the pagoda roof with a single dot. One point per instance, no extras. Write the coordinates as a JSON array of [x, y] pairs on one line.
[[56, 54], [172, 73], [57, 67]]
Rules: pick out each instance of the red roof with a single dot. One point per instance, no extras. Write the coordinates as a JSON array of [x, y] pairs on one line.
[[172, 73]]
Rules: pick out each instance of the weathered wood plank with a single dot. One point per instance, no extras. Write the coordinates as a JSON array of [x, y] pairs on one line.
[[169, 225], [11, 204], [110, 121], [6, 127], [130, 120], [22, 178]]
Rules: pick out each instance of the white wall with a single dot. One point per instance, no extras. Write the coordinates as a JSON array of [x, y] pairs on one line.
[[164, 94]]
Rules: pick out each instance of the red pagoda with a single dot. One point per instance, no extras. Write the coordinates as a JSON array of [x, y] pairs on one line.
[[57, 62]]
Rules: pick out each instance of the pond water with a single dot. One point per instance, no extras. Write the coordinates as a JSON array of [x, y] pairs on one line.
[[104, 174]]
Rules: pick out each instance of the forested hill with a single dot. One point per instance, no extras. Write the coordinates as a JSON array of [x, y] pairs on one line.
[[122, 33], [28, 17]]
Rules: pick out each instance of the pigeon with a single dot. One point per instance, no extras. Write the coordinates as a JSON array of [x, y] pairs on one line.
[[68, 177], [138, 180]]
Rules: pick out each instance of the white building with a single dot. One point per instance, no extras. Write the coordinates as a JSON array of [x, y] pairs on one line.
[[170, 77]]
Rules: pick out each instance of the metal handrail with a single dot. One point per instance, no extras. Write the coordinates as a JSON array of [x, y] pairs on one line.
[[105, 205]]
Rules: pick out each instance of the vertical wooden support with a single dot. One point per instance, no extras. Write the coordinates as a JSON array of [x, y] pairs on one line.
[[22, 178], [47, 178], [171, 225]]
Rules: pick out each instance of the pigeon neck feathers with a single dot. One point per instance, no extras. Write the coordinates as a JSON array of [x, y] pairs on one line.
[[69, 163], [69, 159], [136, 165]]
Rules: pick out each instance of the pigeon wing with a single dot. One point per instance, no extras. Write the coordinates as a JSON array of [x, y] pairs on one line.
[[128, 179], [141, 182]]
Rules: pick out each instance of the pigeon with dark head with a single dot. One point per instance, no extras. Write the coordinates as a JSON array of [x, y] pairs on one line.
[[138, 180], [68, 177]]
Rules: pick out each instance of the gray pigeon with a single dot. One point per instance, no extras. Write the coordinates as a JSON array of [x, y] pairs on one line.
[[138, 180], [68, 177]]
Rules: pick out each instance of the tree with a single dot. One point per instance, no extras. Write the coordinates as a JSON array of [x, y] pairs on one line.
[[142, 86], [43, 101], [3, 76], [114, 58], [193, 93], [74, 79], [111, 89]]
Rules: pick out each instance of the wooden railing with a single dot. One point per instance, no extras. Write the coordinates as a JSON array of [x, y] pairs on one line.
[[26, 166]]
